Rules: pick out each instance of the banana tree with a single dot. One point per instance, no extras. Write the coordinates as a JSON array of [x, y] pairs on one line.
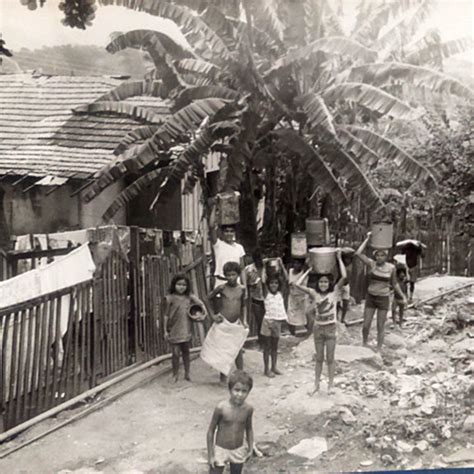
[[264, 85]]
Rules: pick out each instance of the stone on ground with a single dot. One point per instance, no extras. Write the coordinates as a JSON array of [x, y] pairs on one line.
[[468, 424], [348, 353], [310, 448], [463, 455], [394, 341]]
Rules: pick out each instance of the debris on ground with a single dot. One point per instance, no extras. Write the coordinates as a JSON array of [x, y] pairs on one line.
[[310, 448]]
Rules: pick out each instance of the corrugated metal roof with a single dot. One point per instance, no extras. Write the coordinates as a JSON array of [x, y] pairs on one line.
[[40, 135]]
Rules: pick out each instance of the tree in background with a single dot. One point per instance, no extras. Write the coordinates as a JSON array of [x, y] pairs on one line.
[[301, 112]]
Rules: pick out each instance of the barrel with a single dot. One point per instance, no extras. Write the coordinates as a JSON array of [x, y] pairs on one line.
[[317, 232], [228, 208], [382, 235], [298, 245], [323, 259]]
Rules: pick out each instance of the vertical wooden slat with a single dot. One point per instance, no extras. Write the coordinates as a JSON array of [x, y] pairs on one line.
[[10, 414], [83, 323], [20, 368], [65, 383], [77, 309], [55, 395], [36, 359], [27, 385], [5, 322], [43, 354], [47, 381], [125, 314]]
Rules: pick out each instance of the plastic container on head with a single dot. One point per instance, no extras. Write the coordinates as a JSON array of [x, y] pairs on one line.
[[317, 232], [299, 248], [323, 259], [228, 212], [382, 235]]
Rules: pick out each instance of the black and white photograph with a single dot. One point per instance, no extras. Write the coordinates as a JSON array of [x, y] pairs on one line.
[[236, 236]]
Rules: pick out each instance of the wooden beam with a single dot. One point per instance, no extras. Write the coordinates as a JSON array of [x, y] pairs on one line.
[[38, 253]]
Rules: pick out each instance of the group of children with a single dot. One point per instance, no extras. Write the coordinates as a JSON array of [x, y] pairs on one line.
[[274, 297]]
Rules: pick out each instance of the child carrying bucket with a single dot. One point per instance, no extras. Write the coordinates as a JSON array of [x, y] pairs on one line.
[[325, 297]]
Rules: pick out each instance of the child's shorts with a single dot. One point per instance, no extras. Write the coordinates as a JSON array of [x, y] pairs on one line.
[[378, 302], [235, 456], [324, 332], [271, 328]]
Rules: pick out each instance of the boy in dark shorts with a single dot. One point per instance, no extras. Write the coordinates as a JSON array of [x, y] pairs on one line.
[[398, 302], [231, 422]]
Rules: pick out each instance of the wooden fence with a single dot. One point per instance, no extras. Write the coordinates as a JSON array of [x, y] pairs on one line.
[[61, 344]]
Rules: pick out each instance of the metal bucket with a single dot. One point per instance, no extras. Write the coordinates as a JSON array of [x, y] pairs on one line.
[[323, 259], [298, 245], [382, 235], [317, 232]]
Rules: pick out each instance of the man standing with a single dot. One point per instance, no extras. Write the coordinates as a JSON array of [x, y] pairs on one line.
[[413, 251]]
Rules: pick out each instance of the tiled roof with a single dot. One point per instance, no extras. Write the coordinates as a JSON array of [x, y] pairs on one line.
[[40, 135]]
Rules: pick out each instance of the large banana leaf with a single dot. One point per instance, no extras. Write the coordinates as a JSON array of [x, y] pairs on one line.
[[191, 156], [332, 23], [134, 89], [137, 134], [317, 112], [381, 74], [176, 126], [331, 45], [133, 190], [356, 178], [198, 66], [145, 39], [203, 38], [387, 149], [186, 96], [267, 18], [403, 29], [366, 157], [443, 50], [120, 108], [292, 142], [370, 97]]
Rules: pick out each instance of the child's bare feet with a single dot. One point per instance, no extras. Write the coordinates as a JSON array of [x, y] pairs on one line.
[[276, 371], [223, 378], [187, 377], [315, 390], [175, 378], [269, 374], [331, 390]]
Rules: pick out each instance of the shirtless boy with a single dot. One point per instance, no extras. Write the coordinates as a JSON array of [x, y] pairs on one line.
[[232, 419], [232, 302]]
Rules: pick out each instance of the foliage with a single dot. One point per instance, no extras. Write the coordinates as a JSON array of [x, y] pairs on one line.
[[284, 88]]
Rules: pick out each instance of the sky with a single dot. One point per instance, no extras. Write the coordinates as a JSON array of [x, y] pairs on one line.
[[32, 29]]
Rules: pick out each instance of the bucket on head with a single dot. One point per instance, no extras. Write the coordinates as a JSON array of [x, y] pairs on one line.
[[272, 266], [317, 232], [382, 235], [228, 212], [323, 259], [298, 245]]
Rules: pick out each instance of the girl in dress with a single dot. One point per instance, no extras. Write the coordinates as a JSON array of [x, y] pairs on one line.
[[178, 322]]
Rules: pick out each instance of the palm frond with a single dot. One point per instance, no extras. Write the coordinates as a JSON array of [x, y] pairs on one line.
[[332, 23], [120, 108], [198, 66], [138, 134], [317, 112], [146, 39], [134, 89], [367, 157], [175, 127], [198, 33], [381, 74], [331, 45], [388, 150], [370, 97], [134, 190], [407, 24], [356, 178], [267, 18], [443, 50], [186, 96], [291, 141]]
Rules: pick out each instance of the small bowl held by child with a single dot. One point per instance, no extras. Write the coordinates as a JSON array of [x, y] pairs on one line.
[[197, 313]]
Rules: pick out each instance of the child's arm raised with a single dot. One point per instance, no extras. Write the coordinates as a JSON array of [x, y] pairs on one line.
[[216, 416], [361, 248], [283, 269], [342, 281], [249, 432]]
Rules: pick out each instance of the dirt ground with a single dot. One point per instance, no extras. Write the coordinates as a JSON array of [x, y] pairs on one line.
[[404, 408]]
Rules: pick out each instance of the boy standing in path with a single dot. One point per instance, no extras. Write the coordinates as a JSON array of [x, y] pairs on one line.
[[232, 419], [231, 303]]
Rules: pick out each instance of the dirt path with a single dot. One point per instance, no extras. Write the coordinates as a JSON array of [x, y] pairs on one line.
[[384, 406]]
